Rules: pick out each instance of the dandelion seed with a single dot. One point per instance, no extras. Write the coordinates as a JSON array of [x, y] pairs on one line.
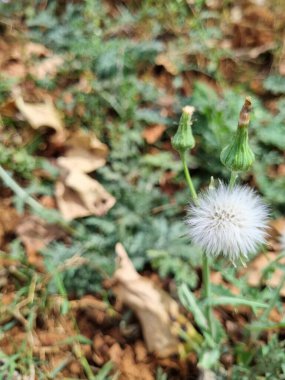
[[227, 221]]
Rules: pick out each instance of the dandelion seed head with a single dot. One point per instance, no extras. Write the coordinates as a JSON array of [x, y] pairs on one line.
[[232, 222]]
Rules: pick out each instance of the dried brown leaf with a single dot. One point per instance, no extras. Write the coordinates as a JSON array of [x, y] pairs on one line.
[[165, 61], [278, 225], [255, 269], [36, 234], [84, 153], [33, 48], [41, 115], [47, 67], [78, 195], [157, 312], [153, 133], [8, 220], [129, 365]]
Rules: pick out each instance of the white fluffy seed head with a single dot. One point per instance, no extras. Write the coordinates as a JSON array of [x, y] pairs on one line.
[[232, 222]]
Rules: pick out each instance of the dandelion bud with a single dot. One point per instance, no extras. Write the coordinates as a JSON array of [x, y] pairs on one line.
[[238, 155], [183, 139]]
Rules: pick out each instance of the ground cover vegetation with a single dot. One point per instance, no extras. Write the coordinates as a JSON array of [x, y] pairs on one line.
[[91, 94]]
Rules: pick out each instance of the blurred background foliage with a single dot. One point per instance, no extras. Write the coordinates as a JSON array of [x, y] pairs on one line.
[[138, 64], [128, 67]]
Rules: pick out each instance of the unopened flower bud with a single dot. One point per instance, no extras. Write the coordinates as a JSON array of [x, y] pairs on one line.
[[238, 155], [183, 138]]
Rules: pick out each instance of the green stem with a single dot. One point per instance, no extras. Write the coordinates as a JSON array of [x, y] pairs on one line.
[[22, 194], [51, 215], [206, 267], [233, 179], [207, 291], [188, 176]]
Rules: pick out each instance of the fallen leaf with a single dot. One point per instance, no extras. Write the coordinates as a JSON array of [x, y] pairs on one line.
[[4, 273], [243, 35], [84, 84], [255, 269], [47, 67], [94, 309], [14, 70], [40, 115], [165, 61], [129, 365], [140, 351], [157, 312], [33, 48], [153, 133], [12, 59], [217, 279], [36, 234], [50, 338], [278, 225], [75, 367], [84, 153], [8, 220], [281, 170], [100, 348], [78, 195], [254, 52]]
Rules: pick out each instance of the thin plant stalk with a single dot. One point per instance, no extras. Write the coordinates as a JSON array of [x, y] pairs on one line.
[[52, 215], [207, 291], [21, 193], [233, 179], [188, 177], [205, 266]]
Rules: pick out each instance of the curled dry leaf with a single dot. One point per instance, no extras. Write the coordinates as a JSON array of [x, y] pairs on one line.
[[84, 153], [41, 115], [79, 195], [157, 312]]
